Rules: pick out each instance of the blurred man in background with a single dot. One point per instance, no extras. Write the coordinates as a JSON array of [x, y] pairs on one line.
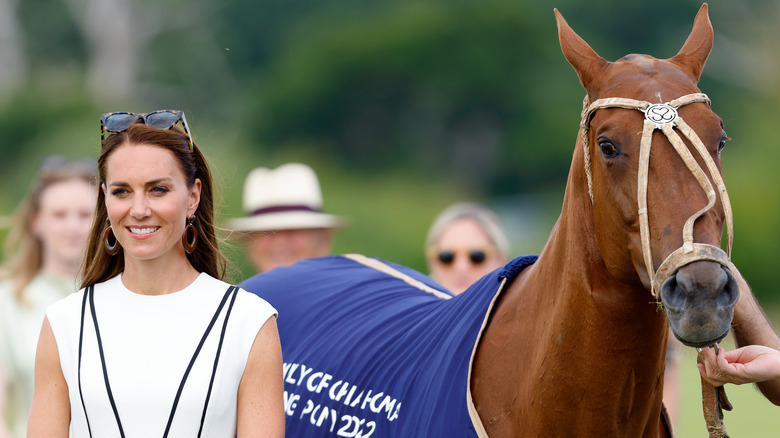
[[284, 219]]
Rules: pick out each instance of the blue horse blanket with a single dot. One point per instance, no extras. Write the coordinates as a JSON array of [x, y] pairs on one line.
[[375, 349]]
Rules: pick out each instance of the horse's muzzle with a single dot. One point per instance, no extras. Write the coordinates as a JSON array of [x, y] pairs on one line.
[[699, 300]]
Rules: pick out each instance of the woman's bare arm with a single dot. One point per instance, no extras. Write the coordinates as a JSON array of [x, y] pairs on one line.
[[260, 393], [50, 412]]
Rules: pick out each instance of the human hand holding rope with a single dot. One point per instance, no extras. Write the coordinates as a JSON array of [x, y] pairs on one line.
[[749, 364]]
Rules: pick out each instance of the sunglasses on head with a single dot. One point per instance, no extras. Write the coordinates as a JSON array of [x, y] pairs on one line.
[[160, 119], [475, 256]]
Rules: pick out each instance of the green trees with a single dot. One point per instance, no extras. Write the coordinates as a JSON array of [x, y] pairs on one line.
[[458, 99]]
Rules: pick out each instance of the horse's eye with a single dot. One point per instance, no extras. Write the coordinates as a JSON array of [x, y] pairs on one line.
[[722, 143], [608, 149]]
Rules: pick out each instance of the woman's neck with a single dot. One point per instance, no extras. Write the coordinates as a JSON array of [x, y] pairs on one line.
[[154, 277]]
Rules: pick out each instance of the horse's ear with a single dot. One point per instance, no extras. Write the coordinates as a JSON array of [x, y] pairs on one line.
[[694, 53], [586, 62]]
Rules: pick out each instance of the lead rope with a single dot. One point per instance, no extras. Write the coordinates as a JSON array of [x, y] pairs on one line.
[[713, 402], [665, 117]]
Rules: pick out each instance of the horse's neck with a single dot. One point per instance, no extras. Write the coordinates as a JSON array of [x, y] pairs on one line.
[[574, 290], [567, 327]]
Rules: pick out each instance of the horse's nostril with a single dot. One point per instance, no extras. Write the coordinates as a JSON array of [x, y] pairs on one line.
[[673, 293], [730, 293]]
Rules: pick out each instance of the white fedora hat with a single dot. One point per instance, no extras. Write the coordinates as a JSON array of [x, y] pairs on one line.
[[286, 198]]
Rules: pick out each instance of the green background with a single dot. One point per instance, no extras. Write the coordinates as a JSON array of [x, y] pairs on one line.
[[402, 107]]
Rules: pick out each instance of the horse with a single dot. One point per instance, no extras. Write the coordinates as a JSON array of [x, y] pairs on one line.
[[571, 343]]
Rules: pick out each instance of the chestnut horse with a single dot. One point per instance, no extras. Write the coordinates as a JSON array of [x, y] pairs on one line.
[[574, 344]]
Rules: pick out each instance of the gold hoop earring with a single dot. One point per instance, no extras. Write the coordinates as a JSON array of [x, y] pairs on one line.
[[190, 237], [108, 237]]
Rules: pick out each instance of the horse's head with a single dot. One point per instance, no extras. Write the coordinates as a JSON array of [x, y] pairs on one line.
[[651, 149]]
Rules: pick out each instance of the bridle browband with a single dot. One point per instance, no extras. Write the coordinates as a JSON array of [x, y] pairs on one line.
[[664, 116]]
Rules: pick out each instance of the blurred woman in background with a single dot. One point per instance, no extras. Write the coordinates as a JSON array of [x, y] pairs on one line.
[[465, 242], [44, 249]]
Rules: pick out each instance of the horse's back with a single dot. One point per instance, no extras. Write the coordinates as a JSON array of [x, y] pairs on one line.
[[372, 348]]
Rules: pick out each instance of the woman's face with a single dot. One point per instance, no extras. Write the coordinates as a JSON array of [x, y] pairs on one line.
[[63, 222], [148, 201], [463, 255]]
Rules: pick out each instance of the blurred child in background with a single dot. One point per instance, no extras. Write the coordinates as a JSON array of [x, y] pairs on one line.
[[43, 250]]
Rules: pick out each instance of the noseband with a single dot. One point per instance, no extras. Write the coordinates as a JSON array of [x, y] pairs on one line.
[[664, 116]]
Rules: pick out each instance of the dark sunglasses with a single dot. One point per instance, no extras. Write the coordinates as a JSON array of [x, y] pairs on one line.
[[476, 256], [160, 119]]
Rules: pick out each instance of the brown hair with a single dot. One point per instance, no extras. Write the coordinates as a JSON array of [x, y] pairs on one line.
[[23, 246], [99, 265]]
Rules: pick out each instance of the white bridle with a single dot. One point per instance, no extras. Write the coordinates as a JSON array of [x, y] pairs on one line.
[[664, 116]]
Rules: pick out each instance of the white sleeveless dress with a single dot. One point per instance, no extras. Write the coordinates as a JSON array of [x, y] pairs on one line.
[[148, 344]]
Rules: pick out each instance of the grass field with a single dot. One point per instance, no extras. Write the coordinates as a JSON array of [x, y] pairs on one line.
[[753, 416]]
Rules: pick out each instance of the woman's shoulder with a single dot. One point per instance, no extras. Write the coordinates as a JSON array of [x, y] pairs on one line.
[[255, 303], [70, 301], [65, 313], [6, 289], [249, 303], [76, 299], [7, 292]]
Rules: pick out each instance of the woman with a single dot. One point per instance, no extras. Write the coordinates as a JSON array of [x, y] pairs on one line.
[[154, 344], [465, 242], [45, 245]]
